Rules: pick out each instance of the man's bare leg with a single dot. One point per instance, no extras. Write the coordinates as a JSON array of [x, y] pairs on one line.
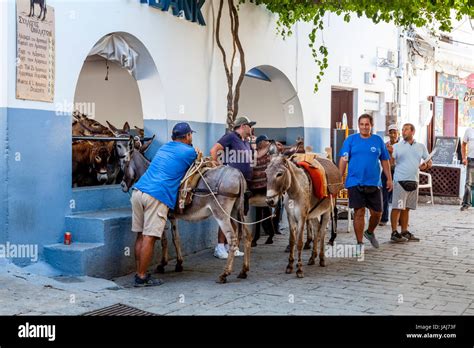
[[146, 254], [359, 223], [374, 220], [138, 248], [404, 219]]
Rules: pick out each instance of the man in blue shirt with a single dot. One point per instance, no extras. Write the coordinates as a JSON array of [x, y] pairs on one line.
[[155, 193], [364, 152], [407, 155], [234, 150]]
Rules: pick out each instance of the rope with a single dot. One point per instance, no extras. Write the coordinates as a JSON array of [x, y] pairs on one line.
[[192, 170], [226, 213]]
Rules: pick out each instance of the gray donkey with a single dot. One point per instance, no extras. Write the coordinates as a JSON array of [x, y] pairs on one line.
[[285, 179], [228, 186]]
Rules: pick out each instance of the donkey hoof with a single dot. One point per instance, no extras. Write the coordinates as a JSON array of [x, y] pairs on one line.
[[222, 279], [331, 243], [299, 274], [178, 268], [160, 269], [242, 275], [307, 246], [322, 263], [311, 262], [269, 241], [289, 270]]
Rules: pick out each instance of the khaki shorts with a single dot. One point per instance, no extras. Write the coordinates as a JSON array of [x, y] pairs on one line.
[[402, 199], [149, 215]]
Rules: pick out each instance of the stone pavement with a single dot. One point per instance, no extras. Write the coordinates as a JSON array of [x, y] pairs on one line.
[[433, 277]]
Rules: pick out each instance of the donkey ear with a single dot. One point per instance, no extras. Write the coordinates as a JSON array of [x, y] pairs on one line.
[[272, 150], [126, 127], [112, 127], [131, 143], [76, 115], [146, 145]]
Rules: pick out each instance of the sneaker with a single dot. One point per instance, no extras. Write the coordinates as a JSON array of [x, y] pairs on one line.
[[410, 237], [237, 252], [464, 207], [397, 237], [220, 252], [383, 223], [148, 281], [371, 238]]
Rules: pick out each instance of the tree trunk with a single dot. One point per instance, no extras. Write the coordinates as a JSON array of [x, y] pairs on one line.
[[233, 95]]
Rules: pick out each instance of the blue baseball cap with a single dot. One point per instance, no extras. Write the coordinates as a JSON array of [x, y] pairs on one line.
[[181, 129], [261, 138]]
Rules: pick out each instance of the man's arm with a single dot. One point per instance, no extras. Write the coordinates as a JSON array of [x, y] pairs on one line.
[[388, 174], [391, 151], [342, 165], [464, 153], [215, 150], [345, 153], [428, 164]]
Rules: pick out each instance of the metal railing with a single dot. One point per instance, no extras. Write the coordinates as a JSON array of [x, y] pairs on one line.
[[99, 138]]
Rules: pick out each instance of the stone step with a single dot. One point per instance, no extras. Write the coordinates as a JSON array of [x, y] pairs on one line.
[[94, 226], [73, 259], [101, 244], [98, 198]]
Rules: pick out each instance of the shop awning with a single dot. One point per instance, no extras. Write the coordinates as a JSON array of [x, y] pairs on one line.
[[115, 48]]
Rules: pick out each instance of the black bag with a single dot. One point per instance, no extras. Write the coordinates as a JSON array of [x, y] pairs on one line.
[[367, 189], [409, 185]]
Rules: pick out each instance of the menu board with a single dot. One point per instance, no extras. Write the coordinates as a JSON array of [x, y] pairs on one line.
[[445, 148], [35, 47]]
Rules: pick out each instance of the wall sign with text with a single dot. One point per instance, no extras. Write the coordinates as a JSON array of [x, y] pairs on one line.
[[35, 47]]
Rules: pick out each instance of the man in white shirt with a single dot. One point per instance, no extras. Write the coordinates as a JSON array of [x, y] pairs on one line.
[[467, 150], [407, 154]]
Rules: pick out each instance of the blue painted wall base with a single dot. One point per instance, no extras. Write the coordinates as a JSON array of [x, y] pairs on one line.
[[38, 205]]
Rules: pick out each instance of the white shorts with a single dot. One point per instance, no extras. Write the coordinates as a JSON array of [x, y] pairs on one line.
[[149, 214], [402, 199]]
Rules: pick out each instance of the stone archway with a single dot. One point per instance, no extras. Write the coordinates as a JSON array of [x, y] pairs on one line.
[[269, 98], [119, 83]]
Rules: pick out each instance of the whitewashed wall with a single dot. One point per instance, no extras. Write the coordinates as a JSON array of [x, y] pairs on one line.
[[189, 64]]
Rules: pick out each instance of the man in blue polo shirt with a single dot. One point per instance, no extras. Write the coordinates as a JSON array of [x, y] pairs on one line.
[[155, 193], [407, 155], [364, 152]]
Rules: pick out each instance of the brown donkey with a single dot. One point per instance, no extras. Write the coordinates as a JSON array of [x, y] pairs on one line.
[[285, 179]]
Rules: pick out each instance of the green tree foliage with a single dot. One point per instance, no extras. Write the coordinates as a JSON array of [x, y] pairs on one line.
[[436, 14]]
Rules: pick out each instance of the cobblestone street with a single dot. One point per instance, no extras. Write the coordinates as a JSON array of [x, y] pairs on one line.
[[432, 277]]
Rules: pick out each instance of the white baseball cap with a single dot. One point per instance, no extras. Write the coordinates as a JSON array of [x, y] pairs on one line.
[[392, 127]]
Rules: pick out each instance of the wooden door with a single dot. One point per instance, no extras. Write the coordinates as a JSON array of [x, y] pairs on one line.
[[341, 102]]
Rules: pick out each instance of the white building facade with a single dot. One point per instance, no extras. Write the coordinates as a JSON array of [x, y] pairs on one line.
[[179, 77]]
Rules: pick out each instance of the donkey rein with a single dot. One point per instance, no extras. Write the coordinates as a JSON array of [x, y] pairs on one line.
[[226, 213], [193, 170]]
